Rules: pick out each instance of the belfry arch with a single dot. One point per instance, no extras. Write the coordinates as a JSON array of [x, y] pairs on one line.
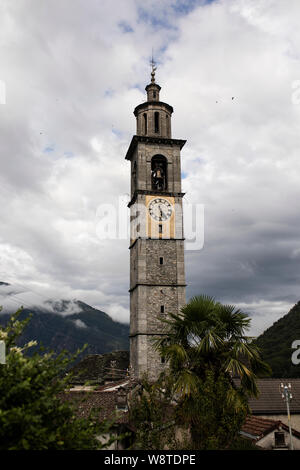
[[159, 173]]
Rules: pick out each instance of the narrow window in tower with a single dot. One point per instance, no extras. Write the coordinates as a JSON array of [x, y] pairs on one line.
[[154, 94], [134, 174], [162, 309], [159, 228], [145, 123], [156, 122], [161, 260], [167, 126]]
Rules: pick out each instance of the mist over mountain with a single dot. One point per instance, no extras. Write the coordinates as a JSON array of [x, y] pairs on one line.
[[70, 324]]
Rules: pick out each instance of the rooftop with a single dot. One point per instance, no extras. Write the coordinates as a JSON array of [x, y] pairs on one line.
[[256, 427], [270, 400]]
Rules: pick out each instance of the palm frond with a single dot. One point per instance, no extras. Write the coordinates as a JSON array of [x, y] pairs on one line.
[[186, 383], [210, 341], [175, 354]]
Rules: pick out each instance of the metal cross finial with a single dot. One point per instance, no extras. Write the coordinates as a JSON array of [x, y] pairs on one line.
[[152, 63]]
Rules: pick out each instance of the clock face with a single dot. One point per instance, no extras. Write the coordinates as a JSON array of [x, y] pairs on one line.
[[160, 209]]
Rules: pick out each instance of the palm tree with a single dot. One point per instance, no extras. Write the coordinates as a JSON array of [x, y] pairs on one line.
[[207, 335], [206, 348]]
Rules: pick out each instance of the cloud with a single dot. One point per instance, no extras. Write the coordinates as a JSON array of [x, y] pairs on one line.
[[73, 73], [79, 323], [261, 312], [117, 312]]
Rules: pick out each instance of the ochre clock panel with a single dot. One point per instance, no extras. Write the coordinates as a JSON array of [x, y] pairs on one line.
[[160, 217]]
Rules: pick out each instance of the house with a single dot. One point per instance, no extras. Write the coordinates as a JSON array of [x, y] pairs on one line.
[[272, 406], [267, 426], [111, 402], [269, 434]]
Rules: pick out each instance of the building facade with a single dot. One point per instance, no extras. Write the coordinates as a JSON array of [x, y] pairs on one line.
[[157, 275]]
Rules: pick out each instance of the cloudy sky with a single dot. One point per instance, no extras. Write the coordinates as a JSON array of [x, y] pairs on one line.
[[71, 73]]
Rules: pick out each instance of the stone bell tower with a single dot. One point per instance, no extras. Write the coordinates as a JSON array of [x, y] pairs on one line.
[[157, 278]]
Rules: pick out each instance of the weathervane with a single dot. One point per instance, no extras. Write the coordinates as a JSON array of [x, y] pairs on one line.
[[152, 63]]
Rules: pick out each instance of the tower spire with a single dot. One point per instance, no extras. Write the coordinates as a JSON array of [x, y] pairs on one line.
[[153, 65], [153, 88]]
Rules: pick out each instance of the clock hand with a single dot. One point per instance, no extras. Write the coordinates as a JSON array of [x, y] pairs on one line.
[[162, 211]]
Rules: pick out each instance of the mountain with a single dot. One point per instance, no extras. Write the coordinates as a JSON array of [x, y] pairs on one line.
[[57, 328], [275, 344]]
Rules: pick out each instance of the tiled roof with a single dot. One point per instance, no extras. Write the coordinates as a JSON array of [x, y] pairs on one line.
[[84, 402], [270, 400], [258, 427]]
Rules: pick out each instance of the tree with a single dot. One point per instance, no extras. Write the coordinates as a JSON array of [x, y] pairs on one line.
[[152, 415], [206, 347], [32, 415]]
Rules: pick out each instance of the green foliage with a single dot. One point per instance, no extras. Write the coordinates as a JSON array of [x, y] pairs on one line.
[[207, 335], [205, 347], [152, 414], [210, 418], [32, 416], [215, 413]]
